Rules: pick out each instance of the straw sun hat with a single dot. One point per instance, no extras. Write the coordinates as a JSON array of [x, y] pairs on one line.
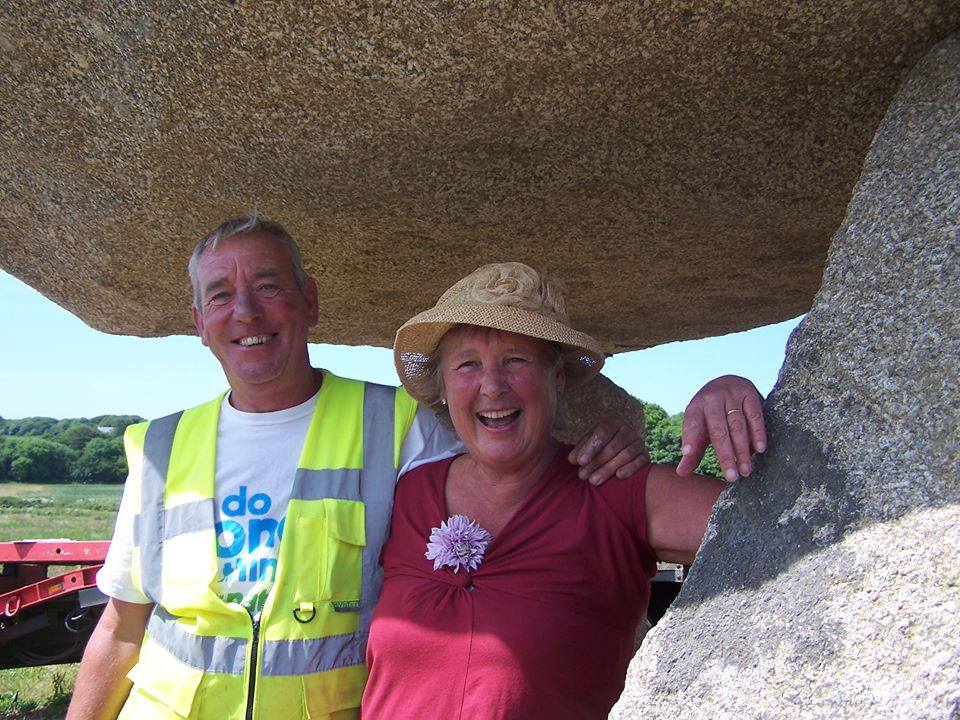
[[505, 296]]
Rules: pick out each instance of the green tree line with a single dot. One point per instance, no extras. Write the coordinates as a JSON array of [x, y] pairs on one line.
[[663, 440], [90, 450], [74, 450]]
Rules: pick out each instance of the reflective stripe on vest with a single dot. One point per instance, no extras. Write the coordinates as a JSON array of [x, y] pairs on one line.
[[228, 655], [376, 490], [373, 485], [149, 525], [204, 652]]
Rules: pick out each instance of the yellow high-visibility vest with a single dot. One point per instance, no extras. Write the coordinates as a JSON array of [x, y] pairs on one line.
[[205, 659]]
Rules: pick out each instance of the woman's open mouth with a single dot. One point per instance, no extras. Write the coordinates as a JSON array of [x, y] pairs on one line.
[[496, 419]]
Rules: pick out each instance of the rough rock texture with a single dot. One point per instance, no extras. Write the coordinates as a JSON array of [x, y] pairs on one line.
[[829, 585], [599, 399], [681, 164]]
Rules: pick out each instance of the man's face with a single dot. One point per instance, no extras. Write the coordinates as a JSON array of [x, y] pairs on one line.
[[254, 317]]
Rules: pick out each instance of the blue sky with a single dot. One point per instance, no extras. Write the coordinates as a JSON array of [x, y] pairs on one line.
[[55, 365]]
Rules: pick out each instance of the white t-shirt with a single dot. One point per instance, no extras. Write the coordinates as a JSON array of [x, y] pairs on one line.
[[257, 456]]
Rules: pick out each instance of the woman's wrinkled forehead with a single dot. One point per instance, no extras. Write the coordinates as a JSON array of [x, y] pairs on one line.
[[458, 338]]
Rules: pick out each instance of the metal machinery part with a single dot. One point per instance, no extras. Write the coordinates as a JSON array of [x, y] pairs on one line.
[[49, 602], [664, 589]]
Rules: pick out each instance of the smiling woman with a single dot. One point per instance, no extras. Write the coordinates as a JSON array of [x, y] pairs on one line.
[[501, 389], [555, 571]]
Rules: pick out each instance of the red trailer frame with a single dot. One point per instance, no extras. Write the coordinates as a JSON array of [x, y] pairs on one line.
[[47, 618]]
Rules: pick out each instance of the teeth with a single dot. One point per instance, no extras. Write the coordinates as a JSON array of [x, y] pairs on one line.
[[496, 414], [254, 340]]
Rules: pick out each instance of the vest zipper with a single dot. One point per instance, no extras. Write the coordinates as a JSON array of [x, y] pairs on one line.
[[254, 643]]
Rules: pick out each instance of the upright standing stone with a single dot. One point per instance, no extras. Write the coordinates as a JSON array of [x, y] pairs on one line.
[[829, 584]]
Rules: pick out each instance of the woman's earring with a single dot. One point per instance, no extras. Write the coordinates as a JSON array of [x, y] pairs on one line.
[[443, 401]]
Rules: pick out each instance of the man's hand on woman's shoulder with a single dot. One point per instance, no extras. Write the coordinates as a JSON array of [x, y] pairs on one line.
[[612, 448], [726, 412]]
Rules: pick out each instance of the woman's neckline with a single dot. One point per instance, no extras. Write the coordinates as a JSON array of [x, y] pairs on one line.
[[532, 491]]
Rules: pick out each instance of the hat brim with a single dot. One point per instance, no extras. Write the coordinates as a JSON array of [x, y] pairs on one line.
[[417, 340]]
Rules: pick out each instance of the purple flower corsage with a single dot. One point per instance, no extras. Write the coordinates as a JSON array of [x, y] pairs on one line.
[[457, 543]]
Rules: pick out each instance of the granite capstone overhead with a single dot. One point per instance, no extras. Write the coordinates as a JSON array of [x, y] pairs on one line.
[[682, 166]]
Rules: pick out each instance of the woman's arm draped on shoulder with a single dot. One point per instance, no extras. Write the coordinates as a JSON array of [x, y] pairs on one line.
[[678, 509]]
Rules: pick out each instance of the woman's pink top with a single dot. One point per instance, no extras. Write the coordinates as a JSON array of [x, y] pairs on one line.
[[544, 628]]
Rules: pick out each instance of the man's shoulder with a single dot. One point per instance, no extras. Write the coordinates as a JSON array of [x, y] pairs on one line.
[[332, 380], [405, 404], [138, 430], [172, 417]]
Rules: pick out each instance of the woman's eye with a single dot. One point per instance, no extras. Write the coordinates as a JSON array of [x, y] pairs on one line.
[[467, 365], [516, 360]]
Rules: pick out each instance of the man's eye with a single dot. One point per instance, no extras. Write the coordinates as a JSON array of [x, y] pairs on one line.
[[218, 298], [516, 361], [268, 289]]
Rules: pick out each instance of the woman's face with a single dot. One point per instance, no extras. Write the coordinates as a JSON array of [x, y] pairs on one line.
[[501, 389]]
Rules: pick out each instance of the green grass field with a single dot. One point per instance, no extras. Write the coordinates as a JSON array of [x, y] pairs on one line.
[[39, 693], [68, 491], [76, 512]]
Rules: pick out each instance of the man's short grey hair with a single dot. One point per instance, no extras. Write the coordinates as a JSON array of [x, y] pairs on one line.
[[245, 226]]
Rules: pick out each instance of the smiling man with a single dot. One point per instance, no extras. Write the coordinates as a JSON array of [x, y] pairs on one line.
[[245, 561], [254, 308]]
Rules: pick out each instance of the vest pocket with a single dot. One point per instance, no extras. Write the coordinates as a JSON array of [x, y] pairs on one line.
[[163, 687], [343, 561]]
